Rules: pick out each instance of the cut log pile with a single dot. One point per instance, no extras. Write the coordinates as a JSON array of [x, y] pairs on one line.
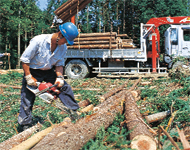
[[68, 135], [70, 8], [108, 40]]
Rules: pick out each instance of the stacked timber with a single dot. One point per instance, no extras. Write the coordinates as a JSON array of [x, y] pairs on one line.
[[127, 43], [108, 40], [70, 8]]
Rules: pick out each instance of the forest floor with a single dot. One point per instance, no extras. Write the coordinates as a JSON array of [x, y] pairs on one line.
[[155, 95]]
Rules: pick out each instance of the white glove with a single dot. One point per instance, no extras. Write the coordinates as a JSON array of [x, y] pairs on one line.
[[31, 81], [60, 81]]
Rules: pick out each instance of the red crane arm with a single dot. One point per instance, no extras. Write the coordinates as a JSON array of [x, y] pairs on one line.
[[169, 20]]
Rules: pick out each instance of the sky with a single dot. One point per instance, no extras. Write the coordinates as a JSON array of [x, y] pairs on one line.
[[43, 4]]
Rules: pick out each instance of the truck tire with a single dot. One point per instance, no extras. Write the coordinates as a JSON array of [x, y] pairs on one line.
[[76, 69]]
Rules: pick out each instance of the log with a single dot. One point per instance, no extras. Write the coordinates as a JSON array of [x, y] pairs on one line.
[[33, 140], [128, 46], [66, 7], [157, 116], [55, 132], [86, 128], [107, 34], [122, 35], [93, 42], [184, 141], [74, 12], [92, 46], [140, 136], [84, 103], [63, 5], [12, 86], [19, 138], [112, 92], [94, 39], [86, 109]]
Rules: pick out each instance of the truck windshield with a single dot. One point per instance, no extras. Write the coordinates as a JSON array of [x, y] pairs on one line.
[[173, 36]]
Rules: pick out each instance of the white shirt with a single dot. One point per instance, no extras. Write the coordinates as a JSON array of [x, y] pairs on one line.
[[38, 53]]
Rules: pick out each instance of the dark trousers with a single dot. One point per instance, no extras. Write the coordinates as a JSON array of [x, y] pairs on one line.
[[28, 98]]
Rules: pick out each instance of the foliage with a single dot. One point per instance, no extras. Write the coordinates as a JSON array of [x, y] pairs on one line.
[[115, 137], [157, 97], [25, 18]]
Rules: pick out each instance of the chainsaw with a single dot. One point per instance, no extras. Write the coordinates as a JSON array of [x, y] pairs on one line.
[[49, 93]]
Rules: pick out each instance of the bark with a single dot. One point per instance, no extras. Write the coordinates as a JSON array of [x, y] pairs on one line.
[[94, 39], [65, 18], [122, 35], [140, 135], [12, 86], [88, 108], [66, 7], [19, 138], [85, 129], [112, 92], [157, 116], [128, 46], [56, 131], [183, 139], [107, 34], [63, 5], [92, 46], [33, 140], [93, 42], [84, 103]]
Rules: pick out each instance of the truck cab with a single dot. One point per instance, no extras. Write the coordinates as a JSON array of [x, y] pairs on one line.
[[177, 41]]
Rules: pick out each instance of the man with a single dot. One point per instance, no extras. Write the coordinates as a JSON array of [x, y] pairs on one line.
[[3, 54], [44, 53], [57, 22]]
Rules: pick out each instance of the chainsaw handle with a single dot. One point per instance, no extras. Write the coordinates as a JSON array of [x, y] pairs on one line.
[[44, 90]]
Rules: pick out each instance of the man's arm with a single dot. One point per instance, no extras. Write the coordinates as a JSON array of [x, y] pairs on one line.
[[26, 68], [29, 78], [60, 78], [59, 70]]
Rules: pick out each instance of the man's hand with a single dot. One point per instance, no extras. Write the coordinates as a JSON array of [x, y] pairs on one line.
[[60, 81], [31, 81]]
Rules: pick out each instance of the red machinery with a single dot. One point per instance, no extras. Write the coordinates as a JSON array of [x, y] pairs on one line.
[[154, 23]]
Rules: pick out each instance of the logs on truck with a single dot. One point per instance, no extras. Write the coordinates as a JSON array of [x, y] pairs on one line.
[[108, 40]]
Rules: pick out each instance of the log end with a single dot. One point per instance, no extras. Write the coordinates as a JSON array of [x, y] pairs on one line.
[[143, 142]]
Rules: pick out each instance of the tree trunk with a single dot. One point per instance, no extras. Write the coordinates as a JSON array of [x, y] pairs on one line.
[[56, 132], [112, 92], [19, 138], [85, 129], [141, 138]]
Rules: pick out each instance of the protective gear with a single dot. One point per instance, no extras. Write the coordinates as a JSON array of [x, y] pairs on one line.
[[69, 31], [59, 81], [31, 80]]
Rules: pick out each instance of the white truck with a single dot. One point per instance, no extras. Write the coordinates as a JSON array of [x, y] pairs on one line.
[[79, 63]]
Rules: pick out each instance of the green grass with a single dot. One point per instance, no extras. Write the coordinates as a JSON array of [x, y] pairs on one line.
[[152, 100]]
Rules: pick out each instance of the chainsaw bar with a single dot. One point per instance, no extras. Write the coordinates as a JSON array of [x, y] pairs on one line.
[[49, 98]]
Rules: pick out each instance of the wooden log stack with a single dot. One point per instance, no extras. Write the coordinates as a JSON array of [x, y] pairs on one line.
[[108, 40], [70, 8]]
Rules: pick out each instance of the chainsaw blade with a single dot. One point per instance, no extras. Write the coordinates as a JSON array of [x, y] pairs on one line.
[[46, 97]]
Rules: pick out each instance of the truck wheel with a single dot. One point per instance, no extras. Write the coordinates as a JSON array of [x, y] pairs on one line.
[[76, 69]]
